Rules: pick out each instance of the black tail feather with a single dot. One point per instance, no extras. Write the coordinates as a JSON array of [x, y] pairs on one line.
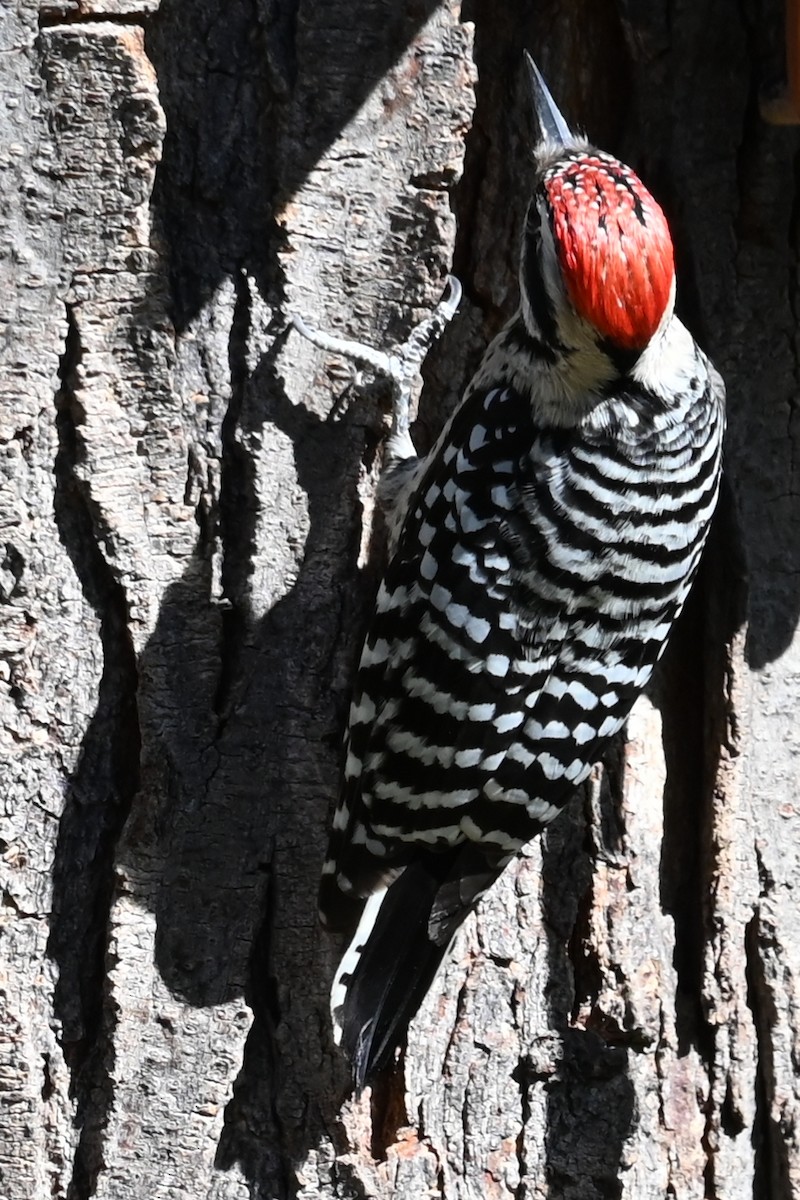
[[403, 935], [394, 970]]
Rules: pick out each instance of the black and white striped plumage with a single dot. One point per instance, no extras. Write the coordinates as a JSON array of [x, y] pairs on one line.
[[541, 553]]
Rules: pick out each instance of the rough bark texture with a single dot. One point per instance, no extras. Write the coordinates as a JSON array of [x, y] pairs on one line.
[[187, 560]]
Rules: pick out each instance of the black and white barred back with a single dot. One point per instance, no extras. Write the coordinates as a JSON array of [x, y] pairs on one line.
[[543, 551]]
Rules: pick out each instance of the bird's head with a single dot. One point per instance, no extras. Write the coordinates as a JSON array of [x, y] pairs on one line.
[[597, 248]]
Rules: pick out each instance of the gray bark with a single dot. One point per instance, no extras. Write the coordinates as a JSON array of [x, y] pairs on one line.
[[187, 562]]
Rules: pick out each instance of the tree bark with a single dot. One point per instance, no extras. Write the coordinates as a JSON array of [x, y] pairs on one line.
[[188, 561]]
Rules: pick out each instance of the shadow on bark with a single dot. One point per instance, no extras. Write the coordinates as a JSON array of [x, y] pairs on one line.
[[255, 711], [249, 761], [254, 93], [693, 695], [590, 1098], [240, 723]]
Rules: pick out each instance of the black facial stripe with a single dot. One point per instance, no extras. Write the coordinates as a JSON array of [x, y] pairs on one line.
[[541, 304], [520, 341]]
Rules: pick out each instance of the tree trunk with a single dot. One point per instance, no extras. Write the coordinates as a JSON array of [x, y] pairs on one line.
[[187, 565]]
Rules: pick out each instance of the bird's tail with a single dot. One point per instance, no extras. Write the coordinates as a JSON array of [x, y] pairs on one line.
[[401, 939], [386, 971]]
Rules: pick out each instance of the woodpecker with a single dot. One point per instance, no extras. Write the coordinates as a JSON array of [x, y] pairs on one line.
[[539, 556]]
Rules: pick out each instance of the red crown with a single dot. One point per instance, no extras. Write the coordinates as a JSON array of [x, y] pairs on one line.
[[614, 247]]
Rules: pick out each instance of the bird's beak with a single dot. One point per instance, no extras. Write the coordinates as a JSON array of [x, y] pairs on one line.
[[555, 129]]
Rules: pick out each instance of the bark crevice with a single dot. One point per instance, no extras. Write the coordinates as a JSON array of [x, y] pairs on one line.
[[98, 796], [771, 1176], [53, 16], [236, 510]]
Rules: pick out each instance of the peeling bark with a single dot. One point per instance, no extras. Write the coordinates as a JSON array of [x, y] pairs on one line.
[[188, 558]]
